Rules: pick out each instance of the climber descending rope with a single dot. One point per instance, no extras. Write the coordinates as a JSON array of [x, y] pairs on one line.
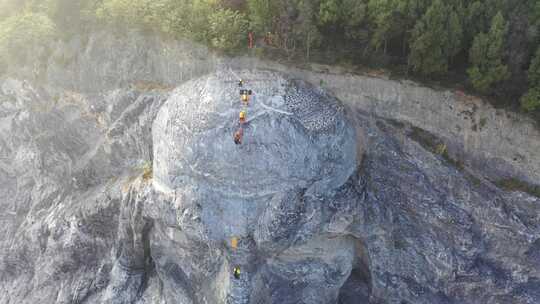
[[236, 269], [244, 96], [238, 136]]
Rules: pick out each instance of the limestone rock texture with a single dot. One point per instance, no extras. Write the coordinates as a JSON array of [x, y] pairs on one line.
[[122, 192], [272, 192]]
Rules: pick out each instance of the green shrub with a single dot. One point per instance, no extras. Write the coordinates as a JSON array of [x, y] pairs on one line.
[[513, 184], [531, 101]]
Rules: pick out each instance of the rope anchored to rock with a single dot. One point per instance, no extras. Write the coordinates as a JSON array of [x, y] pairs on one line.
[[245, 96]]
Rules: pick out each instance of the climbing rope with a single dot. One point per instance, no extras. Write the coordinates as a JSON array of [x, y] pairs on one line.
[[267, 107]]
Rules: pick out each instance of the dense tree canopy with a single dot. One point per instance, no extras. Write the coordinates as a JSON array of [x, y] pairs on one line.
[[436, 39], [491, 43], [227, 29], [486, 56], [262, 13]]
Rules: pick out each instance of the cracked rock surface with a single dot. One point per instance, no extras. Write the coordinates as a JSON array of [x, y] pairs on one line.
[[133, 196]]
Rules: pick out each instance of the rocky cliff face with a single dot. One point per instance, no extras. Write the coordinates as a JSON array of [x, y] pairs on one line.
[[130, 192], [500, 144]]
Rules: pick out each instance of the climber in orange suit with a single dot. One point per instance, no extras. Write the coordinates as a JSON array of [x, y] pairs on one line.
[[238, 136]]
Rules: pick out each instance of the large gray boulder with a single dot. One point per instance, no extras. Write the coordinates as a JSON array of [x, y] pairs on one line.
[[296, 136], [269, 192]]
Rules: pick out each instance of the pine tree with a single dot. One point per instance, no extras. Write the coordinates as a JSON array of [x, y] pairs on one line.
[[381, 15], [486, 56], [393, 20], [305, 29], [353, 13], [455, 34], [436, 38], [346, 15], [531, 101], [262, 14]]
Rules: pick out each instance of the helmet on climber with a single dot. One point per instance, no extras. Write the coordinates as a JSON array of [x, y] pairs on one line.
[[242, 117], [236, 272]]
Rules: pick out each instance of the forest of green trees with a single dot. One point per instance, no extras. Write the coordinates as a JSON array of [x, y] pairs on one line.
[[491, 45]]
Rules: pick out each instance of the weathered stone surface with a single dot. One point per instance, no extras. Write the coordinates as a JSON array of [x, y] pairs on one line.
[[436, 234], [86, 220], [65, 163], [311, 148]]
